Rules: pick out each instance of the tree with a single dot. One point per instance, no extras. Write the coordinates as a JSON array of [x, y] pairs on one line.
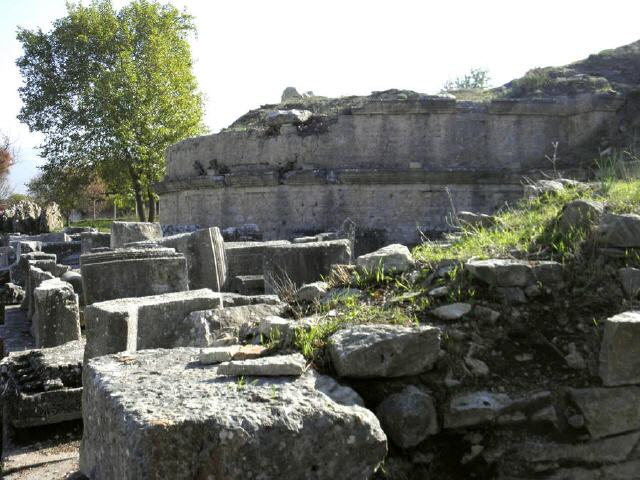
[[477, 78], [111, 90], [7, 159]]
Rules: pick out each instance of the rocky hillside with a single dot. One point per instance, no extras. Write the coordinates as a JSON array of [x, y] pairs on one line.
[[535, 372]]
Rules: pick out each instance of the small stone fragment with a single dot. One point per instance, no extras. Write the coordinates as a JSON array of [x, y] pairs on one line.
[[209, 356], [454, 311], [247, 352], [275, 366]]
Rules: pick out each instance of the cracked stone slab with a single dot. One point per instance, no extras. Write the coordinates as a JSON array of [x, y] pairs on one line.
[[144, 412]]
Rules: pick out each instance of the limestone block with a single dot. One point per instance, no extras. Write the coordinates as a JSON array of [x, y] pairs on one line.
[[608, 411], [296, 264], [90, 240], [35, 278], [129, 232], [580, 215], [141, 425], [476, 408], [620, 350], [311, 292], [408, 417], [144, 322], [43, 386], [501, 272], [274, 366], [205, 254], [132, 273], [20, 273], [246, 284], [619, 230], [392, 258], [57, 315], [245, 258], [369, 351], [455, 311]]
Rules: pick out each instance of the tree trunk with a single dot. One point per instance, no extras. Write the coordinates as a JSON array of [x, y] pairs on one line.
[[137, 190], [152, 206]]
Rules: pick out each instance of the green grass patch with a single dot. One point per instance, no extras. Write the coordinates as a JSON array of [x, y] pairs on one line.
[[102, 224], [530, 226]]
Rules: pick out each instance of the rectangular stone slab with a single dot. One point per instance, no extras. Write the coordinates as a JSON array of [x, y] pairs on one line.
[[132, 273], [142, 322], [160, 414], [302, 263]]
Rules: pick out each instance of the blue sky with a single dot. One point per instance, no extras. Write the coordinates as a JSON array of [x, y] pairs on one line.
[[248, 51]]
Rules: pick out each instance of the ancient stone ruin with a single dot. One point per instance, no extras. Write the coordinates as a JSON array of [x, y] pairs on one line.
[[257, 333]]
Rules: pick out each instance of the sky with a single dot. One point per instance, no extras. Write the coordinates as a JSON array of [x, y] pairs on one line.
[[247, 51]]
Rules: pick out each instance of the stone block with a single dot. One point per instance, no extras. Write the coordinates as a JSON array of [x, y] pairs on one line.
[[205, 254], [296, 264], [35, 278], [246, 284], [475, 408], [143, 322], [20, 273], [43, 386], [132, 273], [608, 411], [408, 417], [370, 351], [129, 232], [620, 350], [91, 240], [142, 425], [619, 230], [245, 258], [394, 258], [56, 318], [630, 281], [273, 366]]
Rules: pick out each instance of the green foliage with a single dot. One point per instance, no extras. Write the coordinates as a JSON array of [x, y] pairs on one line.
[[532, 81], [476, 79], [111, 90]]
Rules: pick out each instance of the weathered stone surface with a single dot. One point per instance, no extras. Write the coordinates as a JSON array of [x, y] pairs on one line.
[[455, 311], [246, 258], [29, 217], [296, 264], [203, 328], [392, 258], [620, 350], [369, 351], [619, 230], [630, 280], [277, 118], [278, 327], [274, 366], [476, 408], [57, 314], [246, 284], [35, 277], [213, 355], [11, 294], [75, 279], [608, 411], [132, 273], [205, 254], [91, 240], [129, 232], [408, 417], [43, 386], [541, 187], [20, 273], [137, 428], [311, 292], [608, 450], [138, 323], [580, 215], [500, 272], [475, 219]]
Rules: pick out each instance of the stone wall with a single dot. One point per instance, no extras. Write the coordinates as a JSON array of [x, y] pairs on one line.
[[393, 167]]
